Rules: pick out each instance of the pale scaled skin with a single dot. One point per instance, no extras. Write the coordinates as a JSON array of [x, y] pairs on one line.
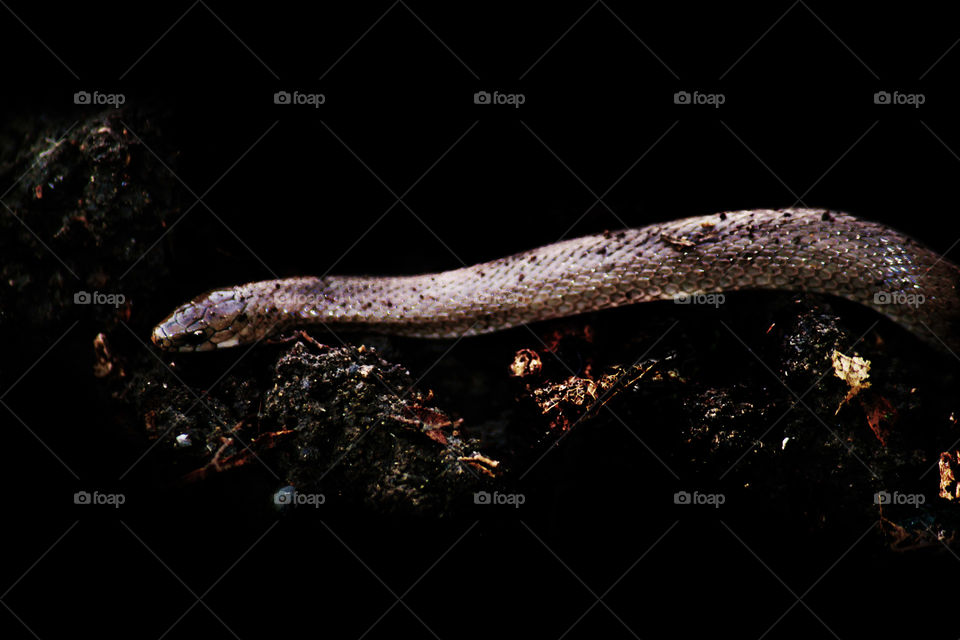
[[791, 250]]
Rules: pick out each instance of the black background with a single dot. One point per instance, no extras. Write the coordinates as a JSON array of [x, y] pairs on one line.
[[296, 190]]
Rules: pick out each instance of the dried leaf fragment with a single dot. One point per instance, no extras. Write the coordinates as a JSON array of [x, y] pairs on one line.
[[853, 370], [949, 489], [526, 362]]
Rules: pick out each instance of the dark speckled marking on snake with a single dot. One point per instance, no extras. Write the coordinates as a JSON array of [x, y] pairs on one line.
[[810, 250]]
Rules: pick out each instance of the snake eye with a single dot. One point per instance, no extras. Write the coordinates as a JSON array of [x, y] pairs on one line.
[[195, 338]]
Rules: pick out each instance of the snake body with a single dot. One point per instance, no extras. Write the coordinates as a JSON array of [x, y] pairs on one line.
[[810, 250]]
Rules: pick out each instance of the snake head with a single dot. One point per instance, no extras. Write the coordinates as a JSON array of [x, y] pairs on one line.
[[210, 321]]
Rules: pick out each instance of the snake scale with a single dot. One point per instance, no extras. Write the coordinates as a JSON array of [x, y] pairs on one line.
[[812, 250]]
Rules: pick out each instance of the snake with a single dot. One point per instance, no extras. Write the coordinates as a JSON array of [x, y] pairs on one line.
[[799, 250]]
